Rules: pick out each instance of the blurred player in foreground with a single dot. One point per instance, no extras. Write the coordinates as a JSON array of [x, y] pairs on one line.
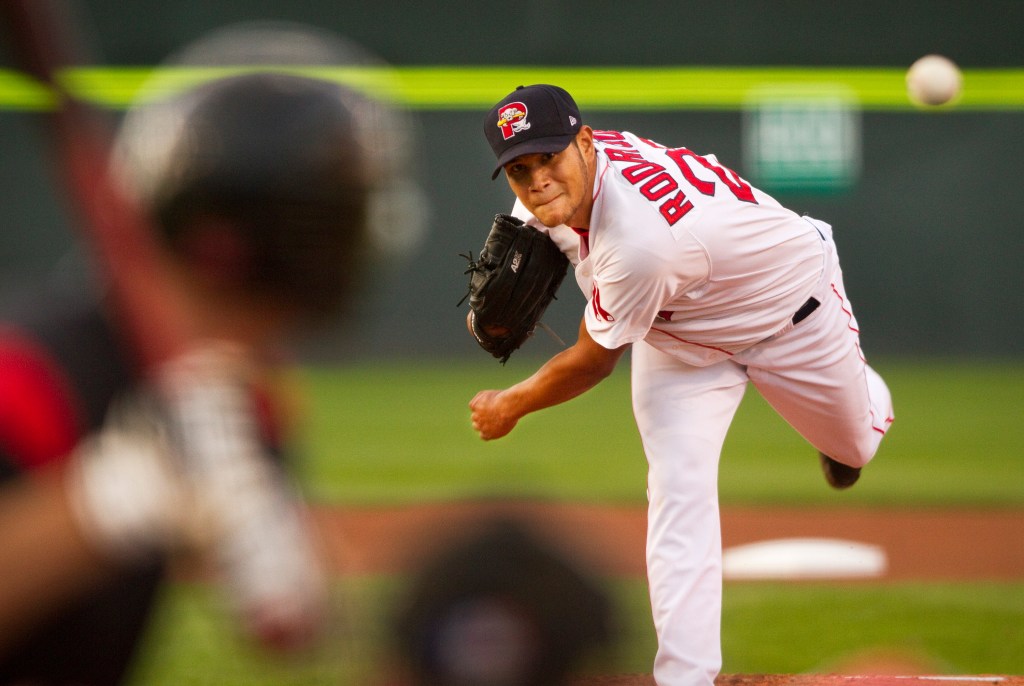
[[712, 285], [499, 605], [258, 186]]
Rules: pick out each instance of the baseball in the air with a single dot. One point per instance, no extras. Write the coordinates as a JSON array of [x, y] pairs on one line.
[[933, 80]]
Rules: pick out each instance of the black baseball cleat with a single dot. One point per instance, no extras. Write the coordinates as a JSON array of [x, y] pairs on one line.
[[837, 474]]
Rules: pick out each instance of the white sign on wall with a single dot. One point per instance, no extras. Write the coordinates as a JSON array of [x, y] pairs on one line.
[[805, 139]]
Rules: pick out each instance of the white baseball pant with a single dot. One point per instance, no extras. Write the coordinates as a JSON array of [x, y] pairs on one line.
[[816, 378]]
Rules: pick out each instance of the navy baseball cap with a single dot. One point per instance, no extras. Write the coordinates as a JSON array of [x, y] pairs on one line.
[[531, 119]]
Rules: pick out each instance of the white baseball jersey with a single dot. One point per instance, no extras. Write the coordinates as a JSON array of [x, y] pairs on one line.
[[677, 253], [703, 274]]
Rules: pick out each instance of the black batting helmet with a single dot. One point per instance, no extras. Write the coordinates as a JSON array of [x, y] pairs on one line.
[[275, 154]]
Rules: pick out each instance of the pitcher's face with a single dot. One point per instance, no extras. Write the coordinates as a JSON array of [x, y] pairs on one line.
[[556, 187]]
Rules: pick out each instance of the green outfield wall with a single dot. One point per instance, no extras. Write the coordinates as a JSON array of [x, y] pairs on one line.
[[925, 203]]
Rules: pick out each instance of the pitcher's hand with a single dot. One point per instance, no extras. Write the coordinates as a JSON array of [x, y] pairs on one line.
[[491, 416]]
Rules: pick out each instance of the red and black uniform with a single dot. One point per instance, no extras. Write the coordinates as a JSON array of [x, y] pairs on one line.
[[61, 365]]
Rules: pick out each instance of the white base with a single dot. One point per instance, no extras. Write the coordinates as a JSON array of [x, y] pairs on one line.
[[804, 558]]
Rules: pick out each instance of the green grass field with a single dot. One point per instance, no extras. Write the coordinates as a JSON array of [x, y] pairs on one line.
[[395, 434], [400, 434]]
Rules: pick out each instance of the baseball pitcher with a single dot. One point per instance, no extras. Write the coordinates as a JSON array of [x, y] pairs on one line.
[[712, 285]]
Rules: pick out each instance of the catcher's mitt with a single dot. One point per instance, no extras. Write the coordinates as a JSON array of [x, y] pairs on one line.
[[511, 284]]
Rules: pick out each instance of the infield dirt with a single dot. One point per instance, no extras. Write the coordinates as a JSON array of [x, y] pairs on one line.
[[817, 680], [924, 544]]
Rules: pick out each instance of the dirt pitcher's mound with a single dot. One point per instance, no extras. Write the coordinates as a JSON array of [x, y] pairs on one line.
[[817, 680], [838, 680]]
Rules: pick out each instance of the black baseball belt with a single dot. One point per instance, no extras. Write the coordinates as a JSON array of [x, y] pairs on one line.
[[805, 310]]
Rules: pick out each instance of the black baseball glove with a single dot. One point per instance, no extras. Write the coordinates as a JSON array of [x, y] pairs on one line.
[[511, 284]]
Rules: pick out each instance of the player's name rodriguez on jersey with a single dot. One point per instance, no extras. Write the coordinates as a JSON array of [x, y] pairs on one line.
[[656, 183]]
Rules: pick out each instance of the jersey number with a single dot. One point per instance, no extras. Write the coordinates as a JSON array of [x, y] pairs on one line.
[[739, 188], [676, 207]]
